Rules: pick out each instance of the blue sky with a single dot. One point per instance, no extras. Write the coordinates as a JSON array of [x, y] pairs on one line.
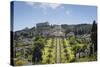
[[27, 14]]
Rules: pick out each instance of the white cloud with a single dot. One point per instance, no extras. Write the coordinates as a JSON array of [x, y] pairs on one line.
[[30, 3], [43, 5], [54, 6], [67, 12]]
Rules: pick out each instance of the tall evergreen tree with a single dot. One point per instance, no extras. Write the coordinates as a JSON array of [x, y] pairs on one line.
[[94, 36]]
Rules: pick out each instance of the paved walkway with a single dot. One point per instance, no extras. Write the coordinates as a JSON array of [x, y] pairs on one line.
[[58, 49]]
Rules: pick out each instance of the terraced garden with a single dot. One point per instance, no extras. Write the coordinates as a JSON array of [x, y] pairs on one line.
[[53, 50], [57, 50]]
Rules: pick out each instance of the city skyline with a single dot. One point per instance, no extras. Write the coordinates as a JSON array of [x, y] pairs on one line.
[[28, 14]]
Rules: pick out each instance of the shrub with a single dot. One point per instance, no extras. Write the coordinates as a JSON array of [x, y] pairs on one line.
[[19, 62]]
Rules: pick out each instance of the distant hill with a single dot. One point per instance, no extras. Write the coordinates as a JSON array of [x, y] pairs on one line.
[[78, 29]]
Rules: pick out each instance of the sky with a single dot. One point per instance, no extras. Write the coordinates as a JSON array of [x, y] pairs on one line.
[[28, 14]]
